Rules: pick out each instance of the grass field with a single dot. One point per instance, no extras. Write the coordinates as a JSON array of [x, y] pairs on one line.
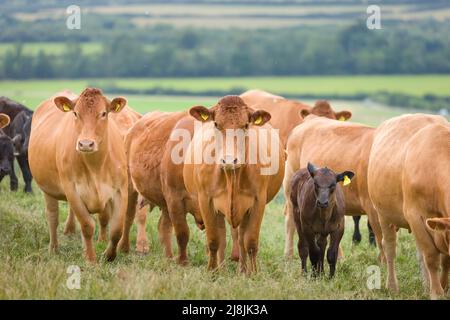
[[28, 271]]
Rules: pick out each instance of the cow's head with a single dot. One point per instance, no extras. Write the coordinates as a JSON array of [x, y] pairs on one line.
[[325, 181], [440, 228], [90, 114], [231, 116], [323, 109], [21, 133]]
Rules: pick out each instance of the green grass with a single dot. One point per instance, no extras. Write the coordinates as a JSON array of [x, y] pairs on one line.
[[416, 85], [28, 271], [50, 48]]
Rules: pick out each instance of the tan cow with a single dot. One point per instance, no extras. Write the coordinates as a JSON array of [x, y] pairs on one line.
[[230, 185], [339, 146], [408, 179], [4, 120], [159, 180], [124, 121], [77, 154], [287, 114]]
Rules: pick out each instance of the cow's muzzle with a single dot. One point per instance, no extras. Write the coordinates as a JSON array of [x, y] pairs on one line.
[[87, 146], [230, 163]]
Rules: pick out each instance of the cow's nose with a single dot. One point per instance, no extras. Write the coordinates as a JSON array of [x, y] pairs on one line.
[[322, 204], [86, 145], [229, 163]]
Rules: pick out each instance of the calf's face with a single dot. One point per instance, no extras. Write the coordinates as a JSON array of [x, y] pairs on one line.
[[325, 181], [90, 115], [232, 118]]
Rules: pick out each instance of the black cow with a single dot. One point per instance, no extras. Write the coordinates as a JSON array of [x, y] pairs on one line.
[[14, 142]]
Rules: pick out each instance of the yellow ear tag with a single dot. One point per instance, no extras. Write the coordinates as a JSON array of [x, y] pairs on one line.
[[347, 181], [258, 121], [66, 107], [117, 107], [204, 116], [342, 118]]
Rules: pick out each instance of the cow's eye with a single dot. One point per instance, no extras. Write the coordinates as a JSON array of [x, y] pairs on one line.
[[216, 125], [103, 114], [75, 114], [246, 126]]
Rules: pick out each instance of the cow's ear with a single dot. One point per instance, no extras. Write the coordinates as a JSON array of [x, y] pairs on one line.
[[438, 224], [117, 104], [64, 104], [311, 169], [343, 115], [345, 176], [201, 113], [4, 120], [304, 113], [260, 117]]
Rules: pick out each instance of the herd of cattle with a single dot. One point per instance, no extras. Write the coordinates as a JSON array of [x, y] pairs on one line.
[[104, 158]]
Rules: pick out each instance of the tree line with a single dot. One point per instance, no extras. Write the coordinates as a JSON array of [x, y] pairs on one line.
[[163, 51]]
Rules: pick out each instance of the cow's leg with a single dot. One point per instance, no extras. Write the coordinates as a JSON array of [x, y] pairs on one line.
[[52, 214], [356, 233], [165, 232], [372, 239], [372, 218], [124, 243], [303, 251], [431, 255], [235, 249], [252, 229], [332, 253], [119, 210], [289, 230], [314, 254], [212, 234], [26, 172], [142, 245], [177, 215], [103, 219], [13, 181], [69, 227], [445, 268], [389, 244], [222, 239], [322, 243], [87, 224], [241, 237]]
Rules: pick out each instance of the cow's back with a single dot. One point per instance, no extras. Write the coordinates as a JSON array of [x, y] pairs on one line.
[[338, 145], [145, 144], [387, 160]]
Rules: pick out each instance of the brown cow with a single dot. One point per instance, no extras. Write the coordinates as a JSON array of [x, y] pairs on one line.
[[287, 114], [77, 155], [408, 179], [319, 207], [4, 120], [232, 186], [159, 180], [338, 145], [124, 121]]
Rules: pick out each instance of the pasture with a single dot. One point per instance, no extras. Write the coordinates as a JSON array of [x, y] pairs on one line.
[[28, 271]]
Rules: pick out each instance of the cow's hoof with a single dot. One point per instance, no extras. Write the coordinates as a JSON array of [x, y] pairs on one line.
[[356, 239], [142, 247], [110, 255], [182, 261]]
